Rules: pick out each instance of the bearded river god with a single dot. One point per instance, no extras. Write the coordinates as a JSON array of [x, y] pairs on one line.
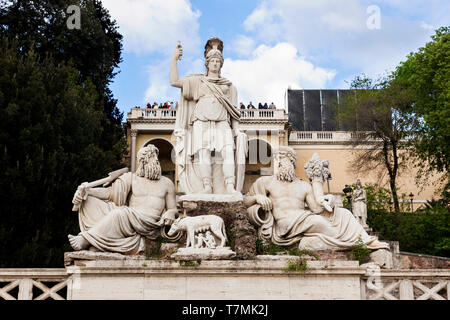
[[136, 206], [284, 197], [210, 149]]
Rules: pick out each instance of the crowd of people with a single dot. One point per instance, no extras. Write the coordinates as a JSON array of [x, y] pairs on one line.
[[174, 105], [260, 106], [165, 105]]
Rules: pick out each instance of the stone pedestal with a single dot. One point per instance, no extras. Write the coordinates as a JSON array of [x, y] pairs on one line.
[[262, 278], [241, 233], [190, 254]]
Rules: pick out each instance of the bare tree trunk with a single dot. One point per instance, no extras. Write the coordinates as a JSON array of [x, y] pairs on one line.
[[392, 171], [394, 193], [394, 176]]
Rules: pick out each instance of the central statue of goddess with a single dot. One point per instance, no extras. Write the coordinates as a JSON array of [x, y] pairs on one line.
[[210, 149]]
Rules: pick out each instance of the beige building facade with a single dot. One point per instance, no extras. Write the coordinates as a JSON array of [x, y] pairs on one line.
[[267, 130]]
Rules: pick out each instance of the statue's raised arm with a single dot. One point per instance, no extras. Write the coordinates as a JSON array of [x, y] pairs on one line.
[[177, 54]]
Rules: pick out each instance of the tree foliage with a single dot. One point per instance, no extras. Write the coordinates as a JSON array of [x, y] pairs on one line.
[[427, 73], [381, 109], [380, 199], [60, 123]]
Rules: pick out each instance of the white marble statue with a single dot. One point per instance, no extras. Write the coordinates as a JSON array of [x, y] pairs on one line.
[[210, 148], [359, 205], [136, 206], [201, 241], [284, 196], [210, 241], [191, 225]]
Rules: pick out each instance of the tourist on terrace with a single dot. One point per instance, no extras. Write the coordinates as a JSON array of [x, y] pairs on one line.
[[250, 106], [265, 106], [272, 106], [242, 106]]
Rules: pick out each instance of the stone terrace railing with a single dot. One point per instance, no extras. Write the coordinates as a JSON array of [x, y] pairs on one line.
[[33, 284], [322, 136], [319, 136], [253, 114], [265, 114], [384, 284], [137, 113], [428, 284]]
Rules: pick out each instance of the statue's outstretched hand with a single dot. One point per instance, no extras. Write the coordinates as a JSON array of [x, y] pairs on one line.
[[264, 202], [327, 201], [80, 194]]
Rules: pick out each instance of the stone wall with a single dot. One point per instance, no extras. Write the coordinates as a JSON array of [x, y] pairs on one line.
[[420, 261], [241, 233]]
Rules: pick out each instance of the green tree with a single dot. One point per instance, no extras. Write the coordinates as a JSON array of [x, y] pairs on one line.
[[94, 49], [60, 123], [427, 73], [377, 110]]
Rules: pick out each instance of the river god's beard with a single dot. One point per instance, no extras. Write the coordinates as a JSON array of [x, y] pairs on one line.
[[285, 170], [149, 168]]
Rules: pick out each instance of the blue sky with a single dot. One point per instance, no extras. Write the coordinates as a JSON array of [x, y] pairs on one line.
[[268, 44]]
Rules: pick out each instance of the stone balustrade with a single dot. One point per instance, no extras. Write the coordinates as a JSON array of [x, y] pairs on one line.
[[137, 113], [319, 136], [404, 284], [33, 284], [263, 114], [324, 136], [256, 114], [325, 277]]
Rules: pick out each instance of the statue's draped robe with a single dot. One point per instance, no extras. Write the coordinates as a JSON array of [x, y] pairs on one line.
[[192, 90], [111, 226], [359, 203], [339, 230]]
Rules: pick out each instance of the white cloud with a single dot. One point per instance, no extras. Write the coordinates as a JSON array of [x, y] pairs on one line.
[[264, 20], [242, 45], [263, 77], [155, 25], [335, 33], [159, 88], [270, 70], [426, 26]]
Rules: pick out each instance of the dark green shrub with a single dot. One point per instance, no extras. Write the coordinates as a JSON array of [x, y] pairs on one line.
[[360, 252], [426, 231]]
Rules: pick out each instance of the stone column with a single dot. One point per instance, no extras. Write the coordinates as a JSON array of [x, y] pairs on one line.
[[133, 149]]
